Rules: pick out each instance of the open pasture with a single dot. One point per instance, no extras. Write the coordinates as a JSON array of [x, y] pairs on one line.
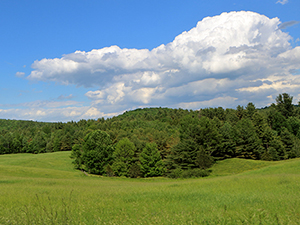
[[45, 189]]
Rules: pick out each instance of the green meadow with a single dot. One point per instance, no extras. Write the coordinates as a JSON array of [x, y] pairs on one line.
[[45, 189]]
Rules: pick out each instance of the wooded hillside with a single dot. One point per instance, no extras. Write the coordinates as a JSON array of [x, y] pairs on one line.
[[162, 141]]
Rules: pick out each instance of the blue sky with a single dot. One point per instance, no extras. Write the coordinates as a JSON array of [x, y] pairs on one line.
[[72, 60]]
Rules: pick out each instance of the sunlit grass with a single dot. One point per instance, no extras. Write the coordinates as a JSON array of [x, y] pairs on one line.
[[236, 166], [45, 189]]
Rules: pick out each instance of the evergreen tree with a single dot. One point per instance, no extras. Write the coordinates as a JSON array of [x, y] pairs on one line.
[[288, 143], [66, 143], [250, 110], [208, 136], [277, 150], [203, 160], [183, 155], [97, 152], [249, 145], [275, 119], [231, 117], [151, 162], [240, 112], [123, 157], [284, 104], [228, 141], [134, 170], [293, 125], [38, 144]]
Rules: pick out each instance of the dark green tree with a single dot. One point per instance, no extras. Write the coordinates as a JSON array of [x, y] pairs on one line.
[[284, 104], [134, 170], [203, 160], [240, 111], [275, 119], [293, 125], [249, 145], [250, 110], [231, 117], [66, 143], [39, 143], [228, 141], [288, 143], [207, 135]]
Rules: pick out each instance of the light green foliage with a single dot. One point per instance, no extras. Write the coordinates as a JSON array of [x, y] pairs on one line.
[[76, 154], [151, 162], [123, 157], [124, 150]]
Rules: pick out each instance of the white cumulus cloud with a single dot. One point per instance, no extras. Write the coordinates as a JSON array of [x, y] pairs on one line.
[[225, 60]]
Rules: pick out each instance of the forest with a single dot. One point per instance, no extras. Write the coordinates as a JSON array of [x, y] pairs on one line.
[[162, 141]]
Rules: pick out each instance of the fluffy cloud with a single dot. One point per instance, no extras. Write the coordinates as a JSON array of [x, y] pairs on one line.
[[226, 60]]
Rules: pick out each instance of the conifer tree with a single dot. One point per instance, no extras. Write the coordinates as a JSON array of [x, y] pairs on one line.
[[228, 141], [248, 143], [288, 143], [151, 162], [284, 104], [97, 152], [123, 157]]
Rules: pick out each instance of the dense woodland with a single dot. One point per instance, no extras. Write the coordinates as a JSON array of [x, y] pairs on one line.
[[162, 141]]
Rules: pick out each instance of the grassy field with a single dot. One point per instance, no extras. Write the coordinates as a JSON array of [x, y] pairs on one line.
[[45, 189]]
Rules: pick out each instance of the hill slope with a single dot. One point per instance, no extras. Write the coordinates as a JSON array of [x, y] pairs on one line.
[[45, 189]]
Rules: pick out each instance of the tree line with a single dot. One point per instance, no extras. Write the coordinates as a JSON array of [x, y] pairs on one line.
[[162, 141]]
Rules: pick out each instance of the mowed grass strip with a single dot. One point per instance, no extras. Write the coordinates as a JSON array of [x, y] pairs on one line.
[[269, 195]]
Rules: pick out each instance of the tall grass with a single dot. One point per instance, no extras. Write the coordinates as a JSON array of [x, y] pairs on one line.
[[264, 193]]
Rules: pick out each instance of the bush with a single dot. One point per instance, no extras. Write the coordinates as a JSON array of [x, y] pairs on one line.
[[176, 173], [134, 171], [109, 171]]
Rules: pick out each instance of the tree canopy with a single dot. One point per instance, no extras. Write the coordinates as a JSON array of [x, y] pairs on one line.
[[162, 141]]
